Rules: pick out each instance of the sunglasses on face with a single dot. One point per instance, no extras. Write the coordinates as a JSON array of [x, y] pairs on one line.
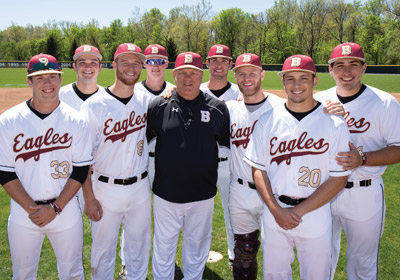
[[153, 61]]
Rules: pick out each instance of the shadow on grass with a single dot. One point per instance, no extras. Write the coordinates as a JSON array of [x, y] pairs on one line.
[[210, 275]]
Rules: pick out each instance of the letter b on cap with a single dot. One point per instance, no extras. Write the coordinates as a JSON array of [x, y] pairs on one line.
[[346, 50], [296, 62], [188, 58]]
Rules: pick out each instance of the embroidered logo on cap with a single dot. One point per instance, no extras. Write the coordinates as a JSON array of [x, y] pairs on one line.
[[296, 62], [346, 50], [188, 58], [219, 50], [87, 48], [44, 60], [131, 47], [154, 50], [246, 58]]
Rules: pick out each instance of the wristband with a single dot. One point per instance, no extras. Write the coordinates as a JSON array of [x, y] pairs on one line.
[[56, 208], [363, 157]]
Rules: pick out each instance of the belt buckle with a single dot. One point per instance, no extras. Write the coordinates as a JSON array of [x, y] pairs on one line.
[[124, 182]]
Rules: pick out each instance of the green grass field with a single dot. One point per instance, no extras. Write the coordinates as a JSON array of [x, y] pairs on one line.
[[389, 258], [16, 77]]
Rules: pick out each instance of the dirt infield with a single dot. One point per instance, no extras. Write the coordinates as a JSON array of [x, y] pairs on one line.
[[12, 96]]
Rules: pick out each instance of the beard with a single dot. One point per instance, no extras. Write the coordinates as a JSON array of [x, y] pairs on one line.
[[127, 81], [250, 91]]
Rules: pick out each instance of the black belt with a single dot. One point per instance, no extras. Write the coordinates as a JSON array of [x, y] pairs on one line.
[[363, 183], [251, 185], [291, 201], [127, 181], [222, 159], [43, 202], [151, 154]]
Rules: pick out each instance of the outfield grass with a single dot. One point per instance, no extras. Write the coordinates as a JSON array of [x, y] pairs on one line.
[[389, 259], [16, 77]]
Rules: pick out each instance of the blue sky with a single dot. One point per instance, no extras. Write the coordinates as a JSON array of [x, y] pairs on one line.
[[24, 12]]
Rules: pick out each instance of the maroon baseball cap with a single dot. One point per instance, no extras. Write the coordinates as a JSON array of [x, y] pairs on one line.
[[129, 48], [298, 62], [347, 50], [189, 60], [156, 51], [43, 64], [219, 51], [87, 49], [247, 59]]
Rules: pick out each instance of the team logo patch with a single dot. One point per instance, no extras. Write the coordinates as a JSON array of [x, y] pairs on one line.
[[44, 60], [87, 48], [154, 50], [296, 62], [346, 50], [205, 116], [188, 58], [131, 47], [219, 50], [246, 58], [174, 109]]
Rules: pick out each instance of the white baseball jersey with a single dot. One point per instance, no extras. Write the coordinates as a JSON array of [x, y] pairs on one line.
[[373, 119], [119, 133], [298, 156], [42, 152], [242, 126], [69, 96]]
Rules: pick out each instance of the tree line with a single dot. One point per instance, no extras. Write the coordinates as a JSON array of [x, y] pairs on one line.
[[311, 27]]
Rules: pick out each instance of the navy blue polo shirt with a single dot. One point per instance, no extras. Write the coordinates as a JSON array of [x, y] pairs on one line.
[[186, 152]]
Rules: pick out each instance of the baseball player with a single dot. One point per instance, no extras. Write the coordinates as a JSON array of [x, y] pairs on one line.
[[219, 61], [87, 65], [292, 153], [187, 126], [373, 118], [245, 204], [156, 63], [44, 159], [121, 189]]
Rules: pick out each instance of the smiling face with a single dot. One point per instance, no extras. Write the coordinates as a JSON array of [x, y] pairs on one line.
[[87, 68], [188, 82], [299, 87], [219, 67], [45, 90], [128, 68], [347, 73], [156, 71], [249, 79]]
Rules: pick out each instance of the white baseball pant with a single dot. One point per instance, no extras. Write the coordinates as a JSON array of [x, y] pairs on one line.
[[245, 207], [223, 186], [26, 243], [363, 235], [130, 205], [195, 218], [313, 245]]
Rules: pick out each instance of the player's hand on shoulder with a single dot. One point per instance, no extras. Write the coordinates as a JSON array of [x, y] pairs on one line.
[[93, 209], [287, 218], [167, 93], [351, 159], [334, 108], [43, 215]]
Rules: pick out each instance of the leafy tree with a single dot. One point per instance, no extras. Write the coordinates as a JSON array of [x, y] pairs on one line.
[[171, 48], [227, 26]]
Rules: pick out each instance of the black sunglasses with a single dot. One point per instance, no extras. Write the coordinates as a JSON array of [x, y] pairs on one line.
[[153, 61]]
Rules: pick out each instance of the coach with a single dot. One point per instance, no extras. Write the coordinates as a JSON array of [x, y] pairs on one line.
[[188, 127]]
